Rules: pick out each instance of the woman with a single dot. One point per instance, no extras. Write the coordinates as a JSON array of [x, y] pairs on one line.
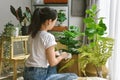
[[41, 63]]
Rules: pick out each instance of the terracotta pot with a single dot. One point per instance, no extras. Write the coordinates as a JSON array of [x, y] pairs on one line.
[[55, 1], [59, 28]]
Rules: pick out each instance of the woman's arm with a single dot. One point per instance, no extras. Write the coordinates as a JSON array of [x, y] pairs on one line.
[[51, 56]]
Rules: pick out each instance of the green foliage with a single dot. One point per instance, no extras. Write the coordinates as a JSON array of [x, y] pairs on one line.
[[100, 48], [61, 16], [8, 30], [6, 34], [94, 26], [69, 38], [96, 54], [5, 47]]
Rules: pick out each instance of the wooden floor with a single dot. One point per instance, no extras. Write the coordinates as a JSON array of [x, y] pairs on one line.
[[10, 76]]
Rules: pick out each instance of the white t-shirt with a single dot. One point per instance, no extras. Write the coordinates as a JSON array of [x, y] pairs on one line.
[[38, 45]]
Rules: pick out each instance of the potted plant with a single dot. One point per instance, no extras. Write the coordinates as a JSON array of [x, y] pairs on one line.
[[99, 48], [61, 17], [23, 18], [10, 30], [70, 44], [69, 39]]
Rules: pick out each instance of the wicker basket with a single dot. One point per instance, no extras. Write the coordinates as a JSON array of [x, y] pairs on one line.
[[74, 68]]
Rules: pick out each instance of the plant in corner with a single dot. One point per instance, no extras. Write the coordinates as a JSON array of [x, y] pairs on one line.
[[99, 48], [61, 17], [23, 18]]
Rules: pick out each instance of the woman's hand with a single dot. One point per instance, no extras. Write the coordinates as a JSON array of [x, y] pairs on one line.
[[57, 53], [64, 55]]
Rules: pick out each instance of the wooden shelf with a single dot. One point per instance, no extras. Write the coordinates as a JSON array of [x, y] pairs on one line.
[[15, 58], [57, 5], [59, 28], [50, 5], [55, 1]]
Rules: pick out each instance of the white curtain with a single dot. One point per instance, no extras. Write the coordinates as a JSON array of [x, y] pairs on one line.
[[111, 10], [115, 33]]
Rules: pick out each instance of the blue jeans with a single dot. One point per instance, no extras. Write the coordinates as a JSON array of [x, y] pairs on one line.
[[50, 73], [63, 76]]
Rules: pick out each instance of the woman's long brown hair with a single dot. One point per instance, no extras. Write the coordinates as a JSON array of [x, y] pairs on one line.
[[39, 17]]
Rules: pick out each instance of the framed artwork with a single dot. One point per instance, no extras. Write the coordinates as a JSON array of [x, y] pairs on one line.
[[78, 8], [64, 8]]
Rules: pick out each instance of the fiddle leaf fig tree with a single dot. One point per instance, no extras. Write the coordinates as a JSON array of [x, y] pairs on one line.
[[95, 27], [99, 49]]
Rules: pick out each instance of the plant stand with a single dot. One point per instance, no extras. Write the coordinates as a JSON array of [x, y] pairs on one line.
[[13, 55]]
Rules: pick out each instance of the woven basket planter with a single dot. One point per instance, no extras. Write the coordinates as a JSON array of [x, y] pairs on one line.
[[74, 68]]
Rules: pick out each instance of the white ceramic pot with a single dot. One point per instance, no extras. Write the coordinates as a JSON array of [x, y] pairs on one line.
[[16, 31]]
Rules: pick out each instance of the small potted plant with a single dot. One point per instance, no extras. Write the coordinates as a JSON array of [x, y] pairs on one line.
[[10, 30], [61, 18], [23, 18]]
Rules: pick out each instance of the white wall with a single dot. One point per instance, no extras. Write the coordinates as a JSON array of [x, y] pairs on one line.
[[6, 15]]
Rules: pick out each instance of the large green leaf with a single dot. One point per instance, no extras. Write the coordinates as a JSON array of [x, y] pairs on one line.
[[88, 20], [90, 32], [102, 25], [100, 30]]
